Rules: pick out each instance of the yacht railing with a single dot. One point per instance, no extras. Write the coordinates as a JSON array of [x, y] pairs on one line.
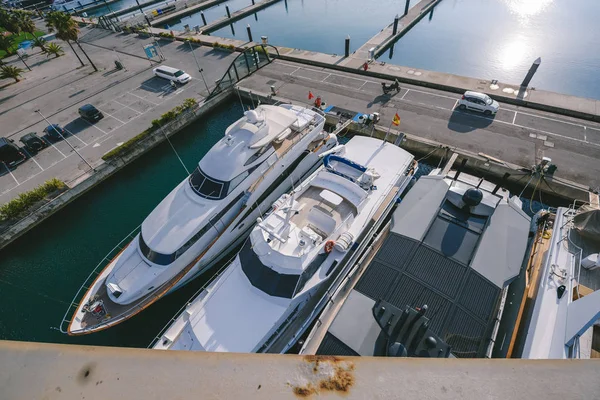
[[198, 295], [360, 251], [295, 139], [64, 324], [578, 253]]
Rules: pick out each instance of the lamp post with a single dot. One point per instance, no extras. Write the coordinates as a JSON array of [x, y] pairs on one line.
[[198, 65], [62, 137]]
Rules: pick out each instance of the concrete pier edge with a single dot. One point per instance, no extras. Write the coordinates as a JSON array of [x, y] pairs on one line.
[[486, 166]]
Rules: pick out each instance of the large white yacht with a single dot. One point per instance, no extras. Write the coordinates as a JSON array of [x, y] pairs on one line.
[[206, 215], [562, 308], [296, 255]]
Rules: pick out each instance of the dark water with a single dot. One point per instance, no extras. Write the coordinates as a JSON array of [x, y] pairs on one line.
[[40, 272], [318, 25], [499, 39], [211, 14]]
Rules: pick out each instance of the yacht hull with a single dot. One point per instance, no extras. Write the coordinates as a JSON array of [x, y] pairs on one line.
[[229, 238]]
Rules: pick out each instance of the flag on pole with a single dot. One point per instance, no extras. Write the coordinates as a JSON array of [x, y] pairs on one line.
[[310, 95], [396, 120]]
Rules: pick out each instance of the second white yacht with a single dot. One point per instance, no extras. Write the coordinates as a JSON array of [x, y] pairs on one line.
[[206, 215], [296, 255]]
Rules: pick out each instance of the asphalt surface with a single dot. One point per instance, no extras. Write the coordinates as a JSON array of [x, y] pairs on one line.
[[517, 135], [129, 99]]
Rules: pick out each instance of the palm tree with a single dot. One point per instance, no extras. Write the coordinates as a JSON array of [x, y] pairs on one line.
[[40, 42], [25, 23], [6, 43], [9, 71], [10, 22], [55, 50], [67, 30]]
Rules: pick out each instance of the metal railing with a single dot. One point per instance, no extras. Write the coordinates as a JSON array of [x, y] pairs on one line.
[[64, 324], [578, 253], [247, 62]]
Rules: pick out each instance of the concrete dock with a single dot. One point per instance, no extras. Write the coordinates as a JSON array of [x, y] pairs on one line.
[[382, 40], [219, 23], [516, 135], [183, 9]]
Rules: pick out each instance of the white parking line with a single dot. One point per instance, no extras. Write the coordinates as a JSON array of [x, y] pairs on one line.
[[112, 116], [402, 98], [74, 136], [584, 133], [123, 105], [31, 157], [515, 117], [56, 148], [143, 99], [455, 104], [10, 172], [101, 130], [552, 119], [323, 80]]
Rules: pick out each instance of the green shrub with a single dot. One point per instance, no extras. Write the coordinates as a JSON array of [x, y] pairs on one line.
[[166, 35], [17, 207], [157, 123]]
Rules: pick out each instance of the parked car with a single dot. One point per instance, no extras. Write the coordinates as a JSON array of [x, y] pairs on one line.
[[478, 102], [10, 154], [33, 142], [55, 132], [90, 113], [172, 74]]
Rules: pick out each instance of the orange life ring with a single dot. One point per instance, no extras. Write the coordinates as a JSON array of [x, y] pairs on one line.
[[329, 246]]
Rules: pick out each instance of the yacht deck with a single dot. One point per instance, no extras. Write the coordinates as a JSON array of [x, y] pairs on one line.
[[314, 203]]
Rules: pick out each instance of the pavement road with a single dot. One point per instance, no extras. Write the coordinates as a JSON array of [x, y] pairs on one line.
[[129, 99], [517, 135]]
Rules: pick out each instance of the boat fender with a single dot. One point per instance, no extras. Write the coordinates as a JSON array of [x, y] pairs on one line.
[[344, 242], [329, 246]]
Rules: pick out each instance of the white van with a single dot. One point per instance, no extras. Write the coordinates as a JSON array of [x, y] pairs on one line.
[[172, 74]]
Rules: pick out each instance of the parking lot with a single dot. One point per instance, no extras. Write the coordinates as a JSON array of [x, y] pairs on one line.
[[129, 100], [518, 135]]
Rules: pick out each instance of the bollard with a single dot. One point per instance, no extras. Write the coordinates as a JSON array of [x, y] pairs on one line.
[[406, 7], [396, 19], [203, 17], [531, 72], [249, 33], [228, 13], [347, 47]]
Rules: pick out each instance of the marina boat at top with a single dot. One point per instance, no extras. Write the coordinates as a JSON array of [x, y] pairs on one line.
[[296, 255], [206, 215], [564, 320], [453, 246]]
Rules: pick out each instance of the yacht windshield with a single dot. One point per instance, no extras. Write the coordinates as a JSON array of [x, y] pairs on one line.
[[207, 187], [263, 277]]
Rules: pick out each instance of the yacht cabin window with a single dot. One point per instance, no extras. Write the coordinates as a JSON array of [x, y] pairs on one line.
[[207, 187]]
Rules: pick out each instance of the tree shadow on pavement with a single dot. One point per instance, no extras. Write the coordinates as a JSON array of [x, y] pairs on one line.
[[464, 121]]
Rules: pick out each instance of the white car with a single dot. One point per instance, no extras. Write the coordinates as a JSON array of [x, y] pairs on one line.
[[172, 74], [478, 102]]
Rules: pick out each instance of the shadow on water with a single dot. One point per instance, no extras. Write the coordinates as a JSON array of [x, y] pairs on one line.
[[464, 121]]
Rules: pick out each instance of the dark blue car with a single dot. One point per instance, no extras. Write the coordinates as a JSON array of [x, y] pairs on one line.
[[55, 132]]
